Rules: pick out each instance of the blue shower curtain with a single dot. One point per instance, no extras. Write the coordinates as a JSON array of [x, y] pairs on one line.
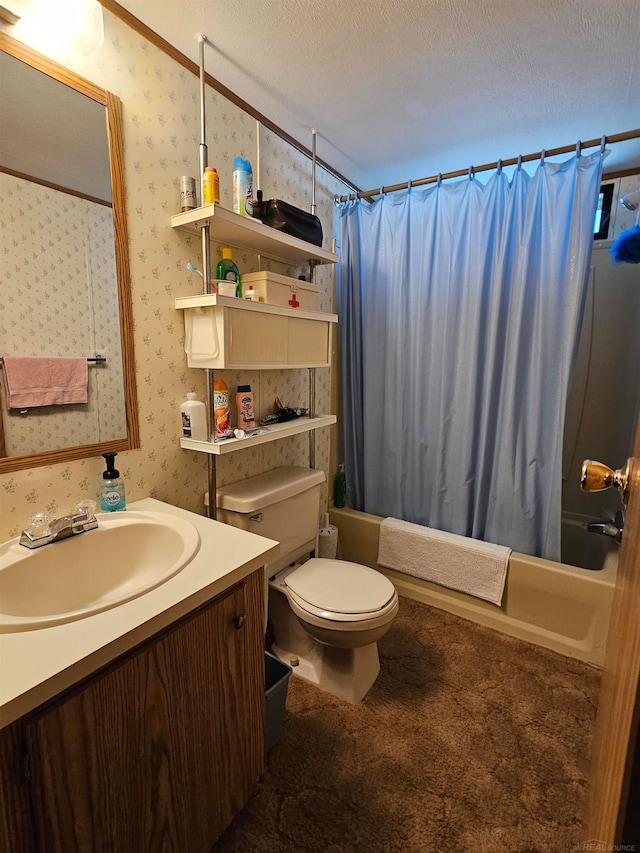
[[460, 308]]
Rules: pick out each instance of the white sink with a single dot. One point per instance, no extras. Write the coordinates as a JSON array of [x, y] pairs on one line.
[[129, 554]]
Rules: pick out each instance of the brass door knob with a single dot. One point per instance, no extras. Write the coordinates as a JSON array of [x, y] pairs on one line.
[[597, 477]]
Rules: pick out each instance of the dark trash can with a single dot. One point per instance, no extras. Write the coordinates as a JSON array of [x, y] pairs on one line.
[[276, 680]]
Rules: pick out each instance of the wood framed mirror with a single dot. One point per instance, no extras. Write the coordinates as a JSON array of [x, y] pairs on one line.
[[65, 285]]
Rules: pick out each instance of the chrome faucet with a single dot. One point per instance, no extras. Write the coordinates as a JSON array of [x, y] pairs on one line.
[[42, 530], [612, 526]]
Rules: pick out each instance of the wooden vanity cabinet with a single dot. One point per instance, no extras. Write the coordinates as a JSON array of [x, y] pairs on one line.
[[159, 751]]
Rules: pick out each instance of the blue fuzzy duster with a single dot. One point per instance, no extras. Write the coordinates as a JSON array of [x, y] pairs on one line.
[[626, 249]]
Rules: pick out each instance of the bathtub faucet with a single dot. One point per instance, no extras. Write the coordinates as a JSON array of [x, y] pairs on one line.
[[612, 527]]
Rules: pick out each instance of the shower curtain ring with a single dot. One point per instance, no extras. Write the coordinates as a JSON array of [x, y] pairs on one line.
[[519, 162], [409, 185], [499, 167], [543, 154], [579, 149], [470, 173], [603, 143], [439, 179]]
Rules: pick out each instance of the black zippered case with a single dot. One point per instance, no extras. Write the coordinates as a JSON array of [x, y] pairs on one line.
[[290, 220]]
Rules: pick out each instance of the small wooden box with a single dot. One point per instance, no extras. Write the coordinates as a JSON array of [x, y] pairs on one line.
[[281, 290]]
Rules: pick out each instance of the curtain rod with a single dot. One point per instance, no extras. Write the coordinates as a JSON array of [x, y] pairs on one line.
[[514, 161]]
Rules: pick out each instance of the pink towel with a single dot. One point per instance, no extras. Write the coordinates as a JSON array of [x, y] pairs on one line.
[[34, 381]]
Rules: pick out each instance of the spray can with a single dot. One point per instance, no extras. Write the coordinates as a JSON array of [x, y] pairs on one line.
[[187, 193], [221, 407], [242, 187]]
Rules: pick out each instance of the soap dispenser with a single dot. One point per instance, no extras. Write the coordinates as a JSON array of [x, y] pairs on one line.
[[111, 492]]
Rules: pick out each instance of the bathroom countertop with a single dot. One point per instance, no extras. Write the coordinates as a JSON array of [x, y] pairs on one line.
[[37, 665]]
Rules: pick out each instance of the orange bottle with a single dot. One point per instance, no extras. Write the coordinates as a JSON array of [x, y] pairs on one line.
[[221, 407], [211, 186]]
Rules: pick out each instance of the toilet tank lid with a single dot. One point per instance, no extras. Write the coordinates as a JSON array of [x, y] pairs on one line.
[[256, 493]]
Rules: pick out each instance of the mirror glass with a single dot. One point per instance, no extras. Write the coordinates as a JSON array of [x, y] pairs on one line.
[[63, 242]]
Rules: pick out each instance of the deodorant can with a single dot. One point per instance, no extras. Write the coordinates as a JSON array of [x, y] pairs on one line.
[[242, 187], [187, 193]]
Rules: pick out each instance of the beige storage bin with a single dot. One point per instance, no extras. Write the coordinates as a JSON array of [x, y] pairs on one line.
[[281, 290]]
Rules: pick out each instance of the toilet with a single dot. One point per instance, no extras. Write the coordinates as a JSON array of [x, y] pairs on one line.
[[327, 615]]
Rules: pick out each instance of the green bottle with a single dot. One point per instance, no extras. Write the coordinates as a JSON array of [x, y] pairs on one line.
[[340, 489], [226, 270]]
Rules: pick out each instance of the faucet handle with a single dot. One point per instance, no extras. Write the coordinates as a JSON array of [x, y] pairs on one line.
[[39, 525], [87, 508]]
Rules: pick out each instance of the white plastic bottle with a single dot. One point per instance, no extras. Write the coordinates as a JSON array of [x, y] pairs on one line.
[[194, 418]]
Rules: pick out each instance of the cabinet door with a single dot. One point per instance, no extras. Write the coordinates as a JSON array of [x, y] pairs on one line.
[[256, 340], [161, 751], [16, 824], [308, 343]]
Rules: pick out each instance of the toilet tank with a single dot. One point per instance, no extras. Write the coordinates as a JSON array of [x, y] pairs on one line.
[[283, 504]]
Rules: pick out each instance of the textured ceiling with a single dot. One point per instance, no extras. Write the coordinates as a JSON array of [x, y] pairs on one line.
[[403, 89]]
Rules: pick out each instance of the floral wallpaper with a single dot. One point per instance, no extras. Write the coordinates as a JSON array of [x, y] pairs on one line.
[[59, 298], [160, 107], [105, 329]]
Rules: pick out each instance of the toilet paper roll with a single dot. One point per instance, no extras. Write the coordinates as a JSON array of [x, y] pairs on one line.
[[328, 542]]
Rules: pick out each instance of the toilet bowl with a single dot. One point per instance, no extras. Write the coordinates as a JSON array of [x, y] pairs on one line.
[[327, 615]]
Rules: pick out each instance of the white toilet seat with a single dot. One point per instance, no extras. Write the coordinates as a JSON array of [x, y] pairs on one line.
[[341, 592], [343, 621]]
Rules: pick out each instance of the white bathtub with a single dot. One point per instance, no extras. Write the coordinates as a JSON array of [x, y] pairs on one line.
[[559, 606]]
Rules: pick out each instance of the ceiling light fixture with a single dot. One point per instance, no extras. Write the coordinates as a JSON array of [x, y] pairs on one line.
[[11, 11], [61, 24]]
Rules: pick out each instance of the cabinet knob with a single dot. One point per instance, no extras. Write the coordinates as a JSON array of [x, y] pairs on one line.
[[238, 621]]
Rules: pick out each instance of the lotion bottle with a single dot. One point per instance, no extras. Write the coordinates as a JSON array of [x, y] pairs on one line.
[[111, 492], [244, 403]]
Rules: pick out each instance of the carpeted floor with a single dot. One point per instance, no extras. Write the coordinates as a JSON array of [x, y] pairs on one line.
[[469, 741]]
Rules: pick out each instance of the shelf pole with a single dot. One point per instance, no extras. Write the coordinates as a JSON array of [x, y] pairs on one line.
[[212, 486], [312, 414], [204, 162], [312, 275], [257, 184], [313, 170], [206, 275]]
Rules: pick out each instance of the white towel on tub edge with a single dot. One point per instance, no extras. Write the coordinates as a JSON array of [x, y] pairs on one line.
[[467, 565]]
